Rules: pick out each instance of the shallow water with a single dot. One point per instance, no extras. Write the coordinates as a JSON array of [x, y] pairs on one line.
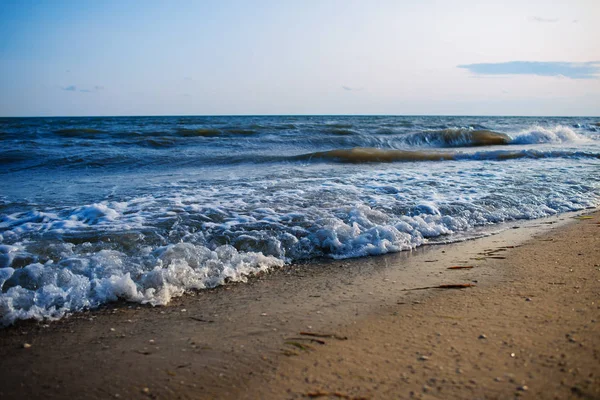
[[144, 208]]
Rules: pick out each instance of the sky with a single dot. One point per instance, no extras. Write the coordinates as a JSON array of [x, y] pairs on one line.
[[227, 57]]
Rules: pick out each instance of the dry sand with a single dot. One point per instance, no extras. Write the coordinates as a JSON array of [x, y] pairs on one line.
[[529, 327]]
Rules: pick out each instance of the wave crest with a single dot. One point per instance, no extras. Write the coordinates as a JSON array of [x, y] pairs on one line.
[[458, 137], [538, 135], [360, 155]]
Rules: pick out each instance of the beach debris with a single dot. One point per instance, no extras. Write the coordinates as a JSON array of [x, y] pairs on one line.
[[202, 319], [528, 299], [460, 267], [112, 329], [300, 346], [582, 217], [523, 388], [430, 260], [310, 339], [482, 336], [26, 345], [324, 335], [423, 358], [339, 395], [145, 353], [571, 338], [445, 286], [146, 390]]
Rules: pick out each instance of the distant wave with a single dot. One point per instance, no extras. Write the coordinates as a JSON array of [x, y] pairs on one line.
[[465, 137], [341, 131], [77, 132], [344, 135], [206, 132], [457, 137]]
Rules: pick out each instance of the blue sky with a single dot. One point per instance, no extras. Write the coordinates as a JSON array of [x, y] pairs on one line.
[[299, 57]]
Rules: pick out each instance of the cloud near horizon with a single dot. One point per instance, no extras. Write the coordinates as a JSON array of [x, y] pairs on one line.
[[543, 20], [573, 70], [350, 89], [73, 88]]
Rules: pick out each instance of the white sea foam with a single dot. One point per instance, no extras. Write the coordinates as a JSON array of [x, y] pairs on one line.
[[52, 290], [153, 240], [76, 277], [539, 134]]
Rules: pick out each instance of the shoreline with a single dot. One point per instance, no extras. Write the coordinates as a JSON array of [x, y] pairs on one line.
[[227, 342]]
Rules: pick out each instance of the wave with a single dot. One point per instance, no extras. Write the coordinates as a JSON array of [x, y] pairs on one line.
[[13, 156], [340, 131], [339, 125], [78, 132], [372, 155], [367, 155], [458, 137], [468, 137], [241, 131], [49, 280], [539, 135], [202, 132]]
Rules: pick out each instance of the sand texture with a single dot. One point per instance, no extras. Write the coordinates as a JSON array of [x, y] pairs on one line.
[[526, 325]]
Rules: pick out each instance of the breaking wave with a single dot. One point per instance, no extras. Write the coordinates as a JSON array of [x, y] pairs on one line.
[[372, 155], [145, 208], [466, 137]]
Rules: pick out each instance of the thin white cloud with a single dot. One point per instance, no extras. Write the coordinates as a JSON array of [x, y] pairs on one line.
[[351, 89], [543, 20], [73, 88], [572, 70]]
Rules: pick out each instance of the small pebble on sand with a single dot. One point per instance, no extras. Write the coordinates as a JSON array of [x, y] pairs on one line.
[[26, 345]]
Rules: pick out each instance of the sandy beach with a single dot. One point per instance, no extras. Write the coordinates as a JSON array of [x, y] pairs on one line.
[[299, 200], [375, 328]]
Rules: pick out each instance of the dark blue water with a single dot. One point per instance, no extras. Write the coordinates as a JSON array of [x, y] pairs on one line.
[[145, 208]]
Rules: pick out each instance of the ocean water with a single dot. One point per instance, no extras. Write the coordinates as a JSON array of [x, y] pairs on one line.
[[145, 208]]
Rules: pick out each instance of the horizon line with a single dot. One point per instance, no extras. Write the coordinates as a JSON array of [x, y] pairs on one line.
[[301, 115]]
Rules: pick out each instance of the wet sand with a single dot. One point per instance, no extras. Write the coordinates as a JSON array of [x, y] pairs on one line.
[[528, 327]]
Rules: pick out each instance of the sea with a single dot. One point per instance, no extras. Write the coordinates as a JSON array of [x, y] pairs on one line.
[[143, 209]]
